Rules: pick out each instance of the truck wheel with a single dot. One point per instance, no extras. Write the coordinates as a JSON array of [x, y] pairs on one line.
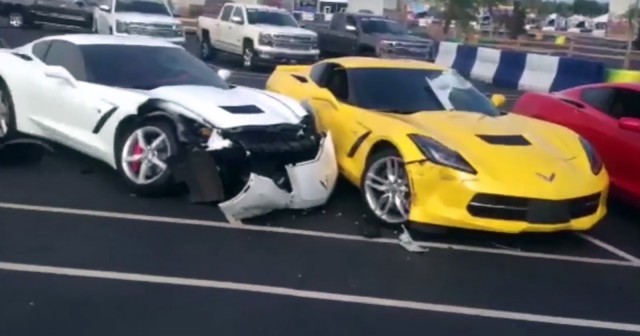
[[248, 56], [16, 19], [207, 51]]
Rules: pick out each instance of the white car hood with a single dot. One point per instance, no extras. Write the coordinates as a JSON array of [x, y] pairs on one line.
[[207, 101], [146, 18], [270, 29]]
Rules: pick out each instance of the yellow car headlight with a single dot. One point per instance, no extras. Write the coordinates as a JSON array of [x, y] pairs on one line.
[[440, 154]]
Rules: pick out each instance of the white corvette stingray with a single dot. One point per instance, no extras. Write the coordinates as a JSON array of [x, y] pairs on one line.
[[160, 117]]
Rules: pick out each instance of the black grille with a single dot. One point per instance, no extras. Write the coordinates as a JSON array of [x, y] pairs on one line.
[[505, 140], [284, 142], [535, 211]]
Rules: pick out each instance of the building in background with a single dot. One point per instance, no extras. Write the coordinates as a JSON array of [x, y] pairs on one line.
[[618, 25]]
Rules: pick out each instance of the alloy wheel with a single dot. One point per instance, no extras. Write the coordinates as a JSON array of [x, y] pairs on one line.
[[144, 155], [386, 189]]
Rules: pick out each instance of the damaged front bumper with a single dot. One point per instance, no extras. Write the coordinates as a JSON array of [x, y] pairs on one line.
[[312, 182]]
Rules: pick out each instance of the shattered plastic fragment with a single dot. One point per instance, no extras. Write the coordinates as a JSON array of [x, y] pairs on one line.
[[407, 242]]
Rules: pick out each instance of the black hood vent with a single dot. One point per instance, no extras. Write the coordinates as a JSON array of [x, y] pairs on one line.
[[242, 109], [505, 140]]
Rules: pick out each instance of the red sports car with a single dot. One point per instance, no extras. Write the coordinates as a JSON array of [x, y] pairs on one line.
[[608, 116]]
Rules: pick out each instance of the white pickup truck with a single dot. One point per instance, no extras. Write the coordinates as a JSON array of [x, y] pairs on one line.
[[261, 34]]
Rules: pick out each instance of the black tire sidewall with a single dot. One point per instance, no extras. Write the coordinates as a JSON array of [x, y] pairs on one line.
[[166, 182], [375, 156], [13, 129], [249, 46]]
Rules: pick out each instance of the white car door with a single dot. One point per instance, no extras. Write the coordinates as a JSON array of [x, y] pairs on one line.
[[220, 34], [71, 109], [235, 32]]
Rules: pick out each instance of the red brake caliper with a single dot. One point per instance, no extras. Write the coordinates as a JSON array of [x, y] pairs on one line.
[[137, 150]]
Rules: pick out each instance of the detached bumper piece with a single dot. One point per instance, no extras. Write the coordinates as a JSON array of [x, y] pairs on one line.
[[310, 184], [534, 211]]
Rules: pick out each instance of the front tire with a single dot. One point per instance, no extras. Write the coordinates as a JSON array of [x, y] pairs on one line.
[[17, 19], [8, 127], [385, 187], [207, 51], [248, 56], [142, 154]]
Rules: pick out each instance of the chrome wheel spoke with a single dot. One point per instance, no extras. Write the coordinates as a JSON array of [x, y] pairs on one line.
[[158, 163], [392, 170], [376, 182], [144, 171], [133, 158], [157, 142], [384, 204], [142, 142]]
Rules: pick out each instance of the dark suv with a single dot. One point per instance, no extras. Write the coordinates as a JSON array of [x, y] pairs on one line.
[[33, 13]]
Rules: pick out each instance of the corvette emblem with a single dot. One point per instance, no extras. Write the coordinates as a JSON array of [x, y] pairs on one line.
[[549, 178]]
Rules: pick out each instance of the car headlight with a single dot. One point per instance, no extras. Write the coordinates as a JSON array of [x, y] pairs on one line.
[[122, 26], [178, 29], [594, 159], [309, 121], [265, 39], [440, 154]]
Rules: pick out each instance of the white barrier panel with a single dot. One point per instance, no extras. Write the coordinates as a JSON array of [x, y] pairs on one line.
[[539, 73], [447, 54], [486, 63]]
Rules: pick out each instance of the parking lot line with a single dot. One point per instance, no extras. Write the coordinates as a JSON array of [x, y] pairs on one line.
[[325, 296], [318, 234], [609, 248]]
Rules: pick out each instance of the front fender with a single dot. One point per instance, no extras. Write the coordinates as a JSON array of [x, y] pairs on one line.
[[183, 119], [21, 77]]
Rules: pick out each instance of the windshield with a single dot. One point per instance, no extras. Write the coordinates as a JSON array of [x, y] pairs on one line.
[[146, 67], [270, 17], [415, 90], [157, 7], [381, 26]]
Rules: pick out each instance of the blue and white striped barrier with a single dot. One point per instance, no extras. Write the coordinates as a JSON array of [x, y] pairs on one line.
[[519, 70]]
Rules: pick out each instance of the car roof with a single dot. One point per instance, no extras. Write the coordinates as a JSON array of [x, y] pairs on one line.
[[95, 39], [371, 62]]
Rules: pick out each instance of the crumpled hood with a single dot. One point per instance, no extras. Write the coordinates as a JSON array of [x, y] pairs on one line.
[[235, 107], [551, 147], [272, 29], [147, 18]]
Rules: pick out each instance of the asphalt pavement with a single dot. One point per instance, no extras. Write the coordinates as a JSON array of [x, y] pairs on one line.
[[79, 255]]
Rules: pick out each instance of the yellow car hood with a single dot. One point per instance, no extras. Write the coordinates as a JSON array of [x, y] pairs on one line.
[[552, 149]]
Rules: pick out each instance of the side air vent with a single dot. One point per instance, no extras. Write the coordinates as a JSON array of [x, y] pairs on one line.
[[23, 56], [505, 140], [242, 109], [300, 79]]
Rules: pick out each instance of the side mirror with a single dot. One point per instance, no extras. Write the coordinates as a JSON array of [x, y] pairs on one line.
[[351, 28], [236, 20], [629, 124], [58, 72], [104, 8], [224, 73], [325, 96], [498, 100]]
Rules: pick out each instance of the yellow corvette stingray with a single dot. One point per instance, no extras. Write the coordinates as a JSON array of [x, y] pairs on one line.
[[424, 146]]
